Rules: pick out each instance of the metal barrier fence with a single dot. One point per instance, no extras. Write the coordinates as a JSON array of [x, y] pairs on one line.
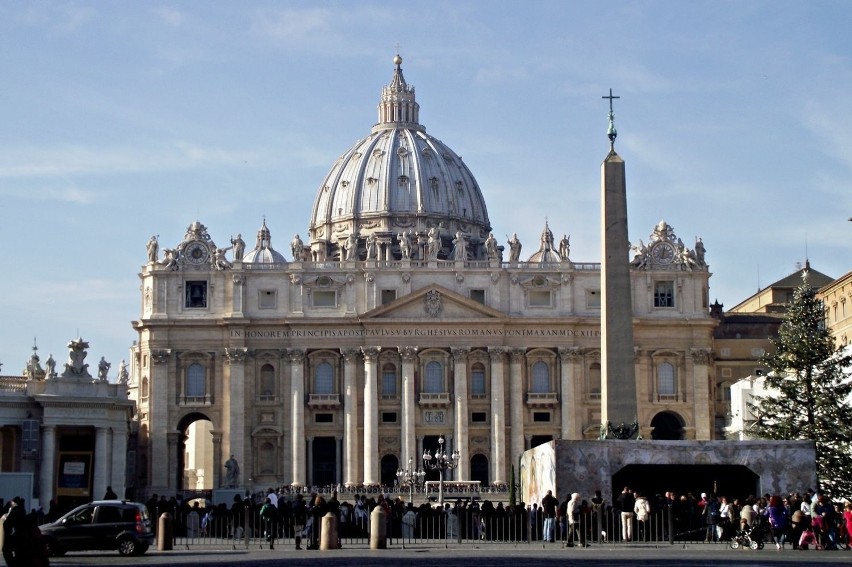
[[243, 526]]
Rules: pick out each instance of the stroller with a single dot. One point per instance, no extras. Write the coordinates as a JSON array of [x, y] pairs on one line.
[[751, 537]]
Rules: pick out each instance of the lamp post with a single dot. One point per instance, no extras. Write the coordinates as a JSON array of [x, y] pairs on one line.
[[411, 478], [440, 462]]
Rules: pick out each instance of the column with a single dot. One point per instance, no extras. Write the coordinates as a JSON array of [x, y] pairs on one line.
[[235, 421], [99, 482], [172, 440], [371, 417], [409, 415], [218, 463], [498, 416], [701, 380], [158, 421], [516, 403], [48, 460], [297, 412], [338, 458], [462, 418], [569, 391], [309, 446], [119, 460], [351, 468]]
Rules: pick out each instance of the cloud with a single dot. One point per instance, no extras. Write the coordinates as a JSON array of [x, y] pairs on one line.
[[294, 26], [170, 16], [72, 194]]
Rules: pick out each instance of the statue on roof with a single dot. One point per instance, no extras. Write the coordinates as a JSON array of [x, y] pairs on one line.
[[433, 243], [514, 248], [564, 247], [372, 247], [491, 252], [350, 247], [50, 365], [153, 248], [219, 260], [239, 247], [123, 376], [459, 246], [405, 244], [103, 369], [297, 247]]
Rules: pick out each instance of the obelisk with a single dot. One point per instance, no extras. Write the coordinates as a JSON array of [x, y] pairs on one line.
[[618, 376]]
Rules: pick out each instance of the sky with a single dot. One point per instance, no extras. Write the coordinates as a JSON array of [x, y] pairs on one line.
[[121, 120]]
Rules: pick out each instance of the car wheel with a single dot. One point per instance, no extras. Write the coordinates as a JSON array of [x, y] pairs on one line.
[[128, 546]]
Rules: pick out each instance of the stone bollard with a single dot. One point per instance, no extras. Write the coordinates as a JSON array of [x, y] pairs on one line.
[[328, 535], [378, 529], [165, 532]]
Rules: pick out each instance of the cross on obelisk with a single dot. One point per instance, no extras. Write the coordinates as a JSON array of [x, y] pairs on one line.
[[611, 131]]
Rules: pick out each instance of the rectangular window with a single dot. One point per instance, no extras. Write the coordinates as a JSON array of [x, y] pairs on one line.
[[593, 299], [726, 373], [757, 352], [388, 295], [478, 295], [268, 299], [477, 383], [664, 294], [324, 418], [196, 295], [478, 417], [324, 298], [541, 416], [725, 351], [388, 417], [539, 298]]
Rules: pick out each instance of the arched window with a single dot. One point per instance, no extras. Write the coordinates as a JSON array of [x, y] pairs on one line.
[[666, 384], [477, 380], [267, 380], [540, 378], [595, 381], [196, 378], [434, 383], [324, 379], [389, 381], [144, 386]]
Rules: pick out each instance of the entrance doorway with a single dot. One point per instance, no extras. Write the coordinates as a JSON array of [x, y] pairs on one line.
[[195, 453], [324, 455], [733, 481], [479, 469], [667, 426], [389, 466]]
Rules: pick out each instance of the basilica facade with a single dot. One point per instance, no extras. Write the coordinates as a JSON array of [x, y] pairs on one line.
[[399, 318]]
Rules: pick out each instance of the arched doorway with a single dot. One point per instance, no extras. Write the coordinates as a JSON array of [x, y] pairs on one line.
[[479, 469], [667, 426], [195, 453], [389, 466]]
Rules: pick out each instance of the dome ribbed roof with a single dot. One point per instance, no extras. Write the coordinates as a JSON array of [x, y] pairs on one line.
[[399, 178], [263, 252], [546, 254]]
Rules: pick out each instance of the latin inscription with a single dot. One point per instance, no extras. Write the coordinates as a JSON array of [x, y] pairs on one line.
[[458, 332]]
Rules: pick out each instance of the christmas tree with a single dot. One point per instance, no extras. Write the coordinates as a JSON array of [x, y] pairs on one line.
[[809, 391]]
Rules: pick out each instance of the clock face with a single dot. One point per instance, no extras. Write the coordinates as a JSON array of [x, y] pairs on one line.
[[196, 253], [663, 253]]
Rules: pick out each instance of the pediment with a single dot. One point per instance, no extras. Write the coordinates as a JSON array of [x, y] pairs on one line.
[[434, 302]]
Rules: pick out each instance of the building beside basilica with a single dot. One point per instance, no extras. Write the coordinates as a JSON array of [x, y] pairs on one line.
[[398, 319]]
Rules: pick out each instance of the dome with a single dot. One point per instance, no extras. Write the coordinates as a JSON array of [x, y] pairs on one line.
[[546, 254], [397, 179], [263, 252]]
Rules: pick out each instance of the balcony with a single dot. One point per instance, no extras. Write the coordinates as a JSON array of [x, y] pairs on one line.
[[542, 400], [438, 400], [324, 401]]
